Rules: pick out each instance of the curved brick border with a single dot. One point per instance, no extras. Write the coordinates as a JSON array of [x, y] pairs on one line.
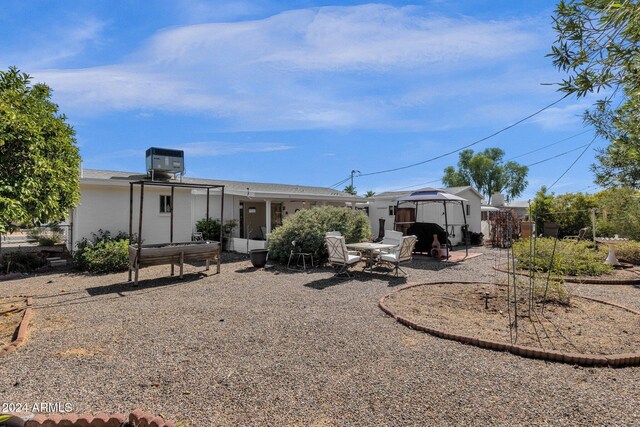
[[137, 418], [614, 360], [23, 327], [573, 279]]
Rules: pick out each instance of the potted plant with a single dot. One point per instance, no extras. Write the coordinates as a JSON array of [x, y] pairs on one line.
[[258, 257]]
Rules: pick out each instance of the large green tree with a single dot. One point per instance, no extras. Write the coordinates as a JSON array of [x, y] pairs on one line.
[[618, 213], [39, 159], [487, 173], [598, 46]]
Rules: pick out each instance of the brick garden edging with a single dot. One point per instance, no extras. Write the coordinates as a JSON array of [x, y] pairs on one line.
[[23, 327], [572, 279], [614, 360], [137, 418]]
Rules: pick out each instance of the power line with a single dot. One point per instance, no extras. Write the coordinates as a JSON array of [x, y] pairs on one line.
[[574, 162], [415, 185], [558, 155], [550, 145], [468, 145], [341, 182]]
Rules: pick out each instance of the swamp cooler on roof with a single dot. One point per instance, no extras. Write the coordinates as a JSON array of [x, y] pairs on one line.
[[164, 161]]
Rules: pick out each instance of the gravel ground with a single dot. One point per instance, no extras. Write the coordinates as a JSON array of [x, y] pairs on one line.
[[276, 347]]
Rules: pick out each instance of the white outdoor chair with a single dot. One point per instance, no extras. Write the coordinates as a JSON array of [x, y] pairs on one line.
[[402, 254], [339, 256], [332, 233], [392, 237]]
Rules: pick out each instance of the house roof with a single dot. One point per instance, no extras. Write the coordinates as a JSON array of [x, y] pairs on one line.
[[397, 194], [238, 188]]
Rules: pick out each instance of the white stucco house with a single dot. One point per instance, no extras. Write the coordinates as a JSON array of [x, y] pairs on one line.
[[383, 206], [257, 207]]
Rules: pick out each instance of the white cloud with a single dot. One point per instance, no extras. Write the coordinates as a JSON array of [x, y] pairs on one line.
[[214, 148], [368, 66], [564, 117], [60, 43]]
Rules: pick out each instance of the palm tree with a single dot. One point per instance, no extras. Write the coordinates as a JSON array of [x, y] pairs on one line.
[[350, 189]]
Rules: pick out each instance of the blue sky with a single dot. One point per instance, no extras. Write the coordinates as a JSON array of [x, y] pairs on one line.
[[303, 92]]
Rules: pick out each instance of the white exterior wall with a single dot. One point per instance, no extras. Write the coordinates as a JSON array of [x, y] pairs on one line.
[[107, 207], [380, 209]]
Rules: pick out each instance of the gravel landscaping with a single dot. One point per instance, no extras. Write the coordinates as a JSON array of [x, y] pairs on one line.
[[274, 347]]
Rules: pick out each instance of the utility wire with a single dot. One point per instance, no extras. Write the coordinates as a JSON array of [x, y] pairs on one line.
[[468, 145], [550, 145], [574, 162], [532, 164], [415, 185], [558, 155], [341, 182]]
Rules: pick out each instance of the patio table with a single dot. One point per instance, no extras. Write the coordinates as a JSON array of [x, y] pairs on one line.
[[368, 249]]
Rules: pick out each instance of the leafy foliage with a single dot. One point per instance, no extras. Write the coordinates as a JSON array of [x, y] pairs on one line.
[[104, 253], [629, 252], [598, 46], [350, 189], [308, 227], [210, 228], [571, 258], [571, 211], [20, 261], [486, 172], [618, 213], [39, 159]]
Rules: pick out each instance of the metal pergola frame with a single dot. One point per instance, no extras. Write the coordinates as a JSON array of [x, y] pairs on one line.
[[172, 185], [446, 221]]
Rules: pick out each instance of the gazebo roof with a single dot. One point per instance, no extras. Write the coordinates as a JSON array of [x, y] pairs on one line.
[[431, 195]]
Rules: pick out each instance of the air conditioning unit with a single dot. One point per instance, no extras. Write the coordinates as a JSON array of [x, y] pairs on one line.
[[162, 162]]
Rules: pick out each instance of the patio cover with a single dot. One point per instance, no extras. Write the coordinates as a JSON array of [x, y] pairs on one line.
[[430, 195], [436, 195]]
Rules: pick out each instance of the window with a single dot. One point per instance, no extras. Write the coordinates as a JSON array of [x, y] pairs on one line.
[[392, 210], [468, 210], [165, 204]]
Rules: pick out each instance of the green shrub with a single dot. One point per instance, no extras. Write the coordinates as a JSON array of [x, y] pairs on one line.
[[308, 227], [571, 258], [210, 228], [20, 261], [106, 256], [103, 253], [628, 252]]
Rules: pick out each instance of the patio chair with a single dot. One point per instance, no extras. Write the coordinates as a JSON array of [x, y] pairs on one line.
[[297, 254], [390, 238], [402, 254], [196, 237], [339, 256], [582, 234], [332, 233]]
